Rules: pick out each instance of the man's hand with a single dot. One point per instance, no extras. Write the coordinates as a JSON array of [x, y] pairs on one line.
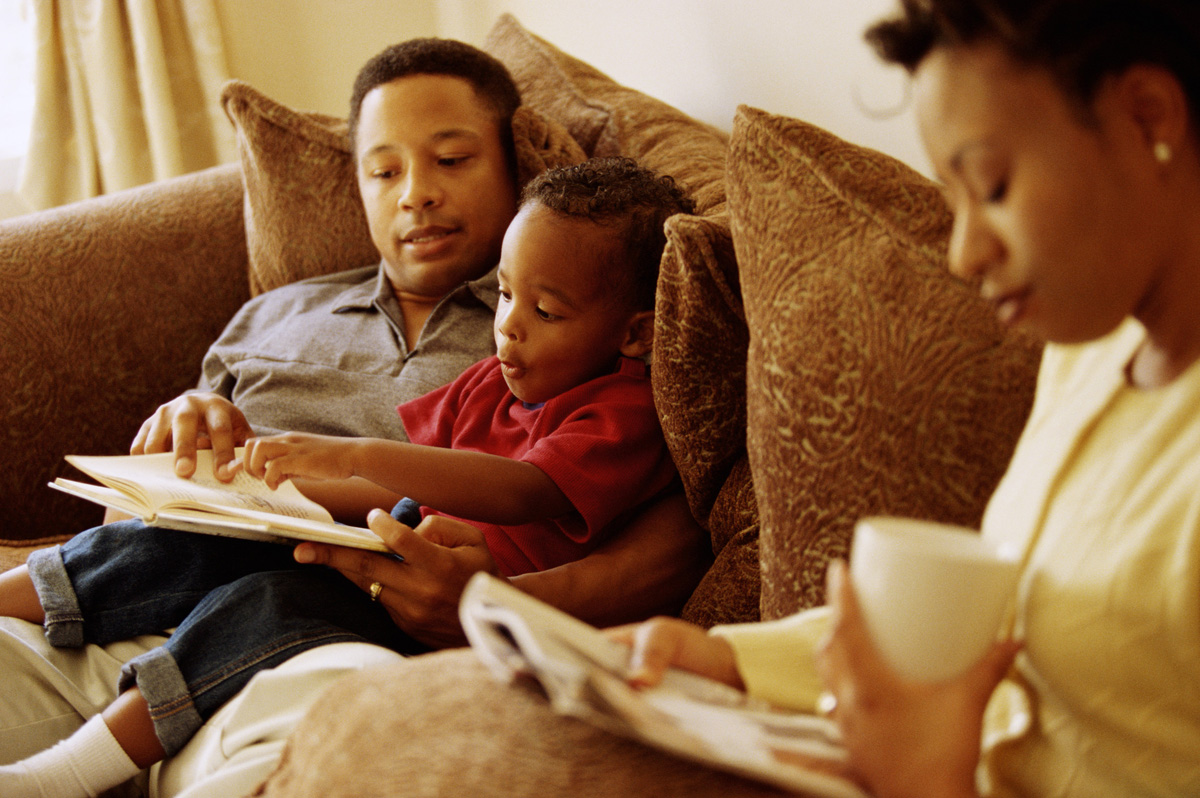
[[422, 592], [190, 422]]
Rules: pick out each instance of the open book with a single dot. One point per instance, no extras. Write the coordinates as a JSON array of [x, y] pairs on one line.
[[583, 673], [146, 486]]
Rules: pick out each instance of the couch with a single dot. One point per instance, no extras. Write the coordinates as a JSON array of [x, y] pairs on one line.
[[814, 361]]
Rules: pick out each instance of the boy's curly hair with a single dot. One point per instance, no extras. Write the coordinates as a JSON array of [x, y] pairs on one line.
[[616, 192]]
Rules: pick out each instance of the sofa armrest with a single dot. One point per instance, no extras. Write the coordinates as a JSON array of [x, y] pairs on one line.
[[106, 310]]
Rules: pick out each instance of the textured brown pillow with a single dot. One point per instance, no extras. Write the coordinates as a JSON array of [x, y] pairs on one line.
[[876, 382], [699, 380], [304, 216], [607, 118]]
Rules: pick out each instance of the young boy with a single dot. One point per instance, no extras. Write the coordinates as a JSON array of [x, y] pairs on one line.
[[553, 439], [550, 440]]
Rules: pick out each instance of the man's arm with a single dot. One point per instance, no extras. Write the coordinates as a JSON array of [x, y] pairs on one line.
[[648, 568]]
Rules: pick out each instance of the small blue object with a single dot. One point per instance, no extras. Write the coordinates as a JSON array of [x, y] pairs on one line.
[[407, 512]]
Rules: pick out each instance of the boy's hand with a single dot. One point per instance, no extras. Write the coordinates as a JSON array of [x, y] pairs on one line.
[[294, 454], [662, 643]]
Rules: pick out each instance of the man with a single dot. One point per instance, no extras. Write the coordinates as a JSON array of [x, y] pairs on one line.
[[431, 130]]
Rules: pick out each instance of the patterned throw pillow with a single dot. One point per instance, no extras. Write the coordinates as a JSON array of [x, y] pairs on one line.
[[877, 383]]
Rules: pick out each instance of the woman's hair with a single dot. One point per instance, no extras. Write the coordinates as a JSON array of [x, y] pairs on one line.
[[616, 192], [489, 78], [1080, 42]]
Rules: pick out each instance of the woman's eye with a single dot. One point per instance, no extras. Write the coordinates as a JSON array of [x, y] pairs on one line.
[[506, 296], [453, 160]]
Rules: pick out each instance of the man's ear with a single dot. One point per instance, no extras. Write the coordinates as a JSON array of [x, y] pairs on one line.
[[639, 334]]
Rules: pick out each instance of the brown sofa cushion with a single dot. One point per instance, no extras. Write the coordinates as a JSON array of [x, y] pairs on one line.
[[469, 736], [607, 118], [877, 382], [106, 308], [303, 213], [699, 380]]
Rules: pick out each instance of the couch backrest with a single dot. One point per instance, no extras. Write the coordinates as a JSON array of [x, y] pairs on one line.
[[107, 308]]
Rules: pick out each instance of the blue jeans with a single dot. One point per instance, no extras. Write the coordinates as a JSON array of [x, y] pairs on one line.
[[237, 607]]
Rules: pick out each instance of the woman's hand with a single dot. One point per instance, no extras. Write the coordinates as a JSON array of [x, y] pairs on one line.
[[662, 643], [422, 592], [904, 738], [276, 458]]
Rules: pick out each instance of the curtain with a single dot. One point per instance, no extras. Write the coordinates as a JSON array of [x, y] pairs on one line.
[[127, 92]]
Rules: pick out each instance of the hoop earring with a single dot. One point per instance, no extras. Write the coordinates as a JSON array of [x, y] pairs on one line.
[[1162, 152]]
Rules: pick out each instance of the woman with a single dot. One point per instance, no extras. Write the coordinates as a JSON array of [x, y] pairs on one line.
[[1066, 134]]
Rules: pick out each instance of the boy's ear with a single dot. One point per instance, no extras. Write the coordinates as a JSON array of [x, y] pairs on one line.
[[639, 334]]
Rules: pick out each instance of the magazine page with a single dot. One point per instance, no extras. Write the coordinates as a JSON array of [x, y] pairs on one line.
[[583, 673]]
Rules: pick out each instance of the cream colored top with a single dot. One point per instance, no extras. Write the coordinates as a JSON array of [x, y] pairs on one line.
[[1108, 478]]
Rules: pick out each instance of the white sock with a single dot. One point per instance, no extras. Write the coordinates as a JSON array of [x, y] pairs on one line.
[[81, 766]]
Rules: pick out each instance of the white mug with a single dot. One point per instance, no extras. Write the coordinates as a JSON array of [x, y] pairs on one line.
[[933, 595]]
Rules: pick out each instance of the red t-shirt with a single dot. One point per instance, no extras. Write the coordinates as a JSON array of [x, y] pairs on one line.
[[599, 442]]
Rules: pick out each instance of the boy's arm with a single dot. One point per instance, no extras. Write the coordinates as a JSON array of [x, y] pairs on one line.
[[482, 487]]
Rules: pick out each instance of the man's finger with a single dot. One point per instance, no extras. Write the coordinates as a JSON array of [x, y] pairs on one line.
[[220, 427], [183, 435]]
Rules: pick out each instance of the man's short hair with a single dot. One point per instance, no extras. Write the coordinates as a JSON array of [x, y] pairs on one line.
[[617, 192], [489, 78]]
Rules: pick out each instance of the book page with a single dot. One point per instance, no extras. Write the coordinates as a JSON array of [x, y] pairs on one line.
[[151, 480]]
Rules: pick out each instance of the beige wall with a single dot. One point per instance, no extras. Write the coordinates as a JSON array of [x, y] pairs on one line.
[[306, 52], [803, 58]]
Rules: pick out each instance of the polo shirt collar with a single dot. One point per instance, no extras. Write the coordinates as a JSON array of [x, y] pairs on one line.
[[366, 295]]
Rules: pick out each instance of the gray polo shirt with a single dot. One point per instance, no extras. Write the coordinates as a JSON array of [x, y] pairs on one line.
[[328, 355]]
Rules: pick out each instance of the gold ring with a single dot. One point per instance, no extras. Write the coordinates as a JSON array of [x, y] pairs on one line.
[[374, 590], [826, 704]]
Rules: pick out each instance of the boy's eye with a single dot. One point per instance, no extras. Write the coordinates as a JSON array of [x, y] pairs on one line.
[[506, 295], [384, 174], [546, 315], [452, 160]]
